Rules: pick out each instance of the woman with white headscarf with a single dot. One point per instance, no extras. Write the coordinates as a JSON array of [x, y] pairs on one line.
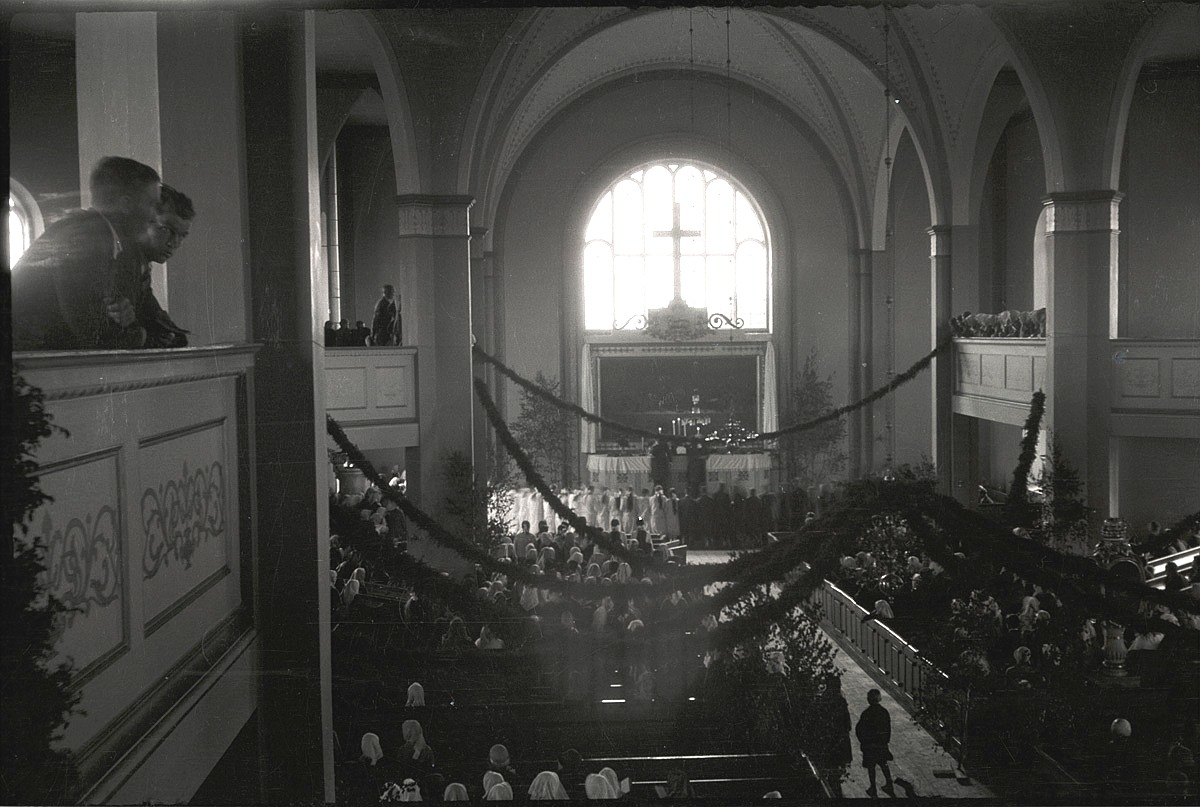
[[600, 615], [529, 598], [372, 752], [597, 787], [547, 787], [501, 791], [351, 589], [455, 792], [490, 780], [415, 756], [620, 787], [416, 695], [488, 640]]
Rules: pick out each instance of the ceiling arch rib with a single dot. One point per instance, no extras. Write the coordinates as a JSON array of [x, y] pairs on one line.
[[657, 40], [536, 40]]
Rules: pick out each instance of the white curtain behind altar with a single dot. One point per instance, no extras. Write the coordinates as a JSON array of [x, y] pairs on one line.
[[770, 392], [740, 471], [611, 472], [588, 431]]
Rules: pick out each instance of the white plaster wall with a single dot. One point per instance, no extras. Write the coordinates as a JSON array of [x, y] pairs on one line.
[[539, 264]]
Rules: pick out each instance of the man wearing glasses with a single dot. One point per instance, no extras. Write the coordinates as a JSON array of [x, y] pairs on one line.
[[158, 243]]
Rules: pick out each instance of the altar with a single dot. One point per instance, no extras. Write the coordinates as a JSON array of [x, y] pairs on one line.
[[744, 472]]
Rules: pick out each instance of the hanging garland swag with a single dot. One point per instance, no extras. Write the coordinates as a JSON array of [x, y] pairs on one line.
[[833, 414]]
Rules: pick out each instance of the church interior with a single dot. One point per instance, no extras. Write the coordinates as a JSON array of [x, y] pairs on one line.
[[450, 270]]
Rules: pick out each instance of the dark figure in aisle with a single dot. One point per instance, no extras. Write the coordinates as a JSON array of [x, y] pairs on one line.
[[874, 732]]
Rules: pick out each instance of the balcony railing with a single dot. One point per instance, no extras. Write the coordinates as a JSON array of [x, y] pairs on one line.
[[144, 541], [371, 385], [1155, 384], [995, 378]]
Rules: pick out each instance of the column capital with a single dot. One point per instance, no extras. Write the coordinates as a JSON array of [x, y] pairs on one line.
[[434, 216], [1083, 212], [939, 240]]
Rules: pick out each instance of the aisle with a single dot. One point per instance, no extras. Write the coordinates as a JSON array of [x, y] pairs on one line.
[[919, 760]]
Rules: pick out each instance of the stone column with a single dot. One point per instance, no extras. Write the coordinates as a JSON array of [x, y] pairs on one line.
[[481, 330], [866, 350], [435, 245], [116, 75], [941, 375], [164, 89], [854, 371], [288, 454], [1081, 245], [201, 133]]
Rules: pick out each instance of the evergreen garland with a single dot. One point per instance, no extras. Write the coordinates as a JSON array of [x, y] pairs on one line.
[[1018, 493], [686, 578], [578, 523], [832, 415]]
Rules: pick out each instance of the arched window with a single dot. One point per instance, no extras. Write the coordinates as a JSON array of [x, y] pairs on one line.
[[24, 221], [675, 228]]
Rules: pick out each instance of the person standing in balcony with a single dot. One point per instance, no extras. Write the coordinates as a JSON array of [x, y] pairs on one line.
[[385, 324], [74, 287]]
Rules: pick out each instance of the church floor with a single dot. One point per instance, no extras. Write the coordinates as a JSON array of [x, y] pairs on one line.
[[919, 760]]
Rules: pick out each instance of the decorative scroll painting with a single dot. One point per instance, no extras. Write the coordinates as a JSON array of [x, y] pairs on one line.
[[183, 510], [82, 535]]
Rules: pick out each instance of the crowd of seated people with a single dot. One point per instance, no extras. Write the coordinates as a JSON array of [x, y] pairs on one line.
[[1019, 636], [1158, 541], [412, 773]]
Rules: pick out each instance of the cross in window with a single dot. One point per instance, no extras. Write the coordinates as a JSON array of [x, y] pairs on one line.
[[677, 235]]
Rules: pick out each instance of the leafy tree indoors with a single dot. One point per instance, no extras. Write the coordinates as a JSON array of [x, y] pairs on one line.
[[543, 430], [36, 701], [817, 455]]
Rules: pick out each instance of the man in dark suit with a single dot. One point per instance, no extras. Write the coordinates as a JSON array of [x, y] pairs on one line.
[[75, 287]]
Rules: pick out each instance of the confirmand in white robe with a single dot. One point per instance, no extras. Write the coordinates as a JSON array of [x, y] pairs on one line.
[[642, 508], [672, 510], [606, 509], [658, 514], [595, 508], [628, 511]]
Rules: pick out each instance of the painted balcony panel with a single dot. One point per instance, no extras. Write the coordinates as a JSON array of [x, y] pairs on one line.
[[994, 379], [143, 541]]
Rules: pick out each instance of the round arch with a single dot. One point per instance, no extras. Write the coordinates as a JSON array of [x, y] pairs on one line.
[[27, 209], [29, 205], [1171, 17], [408, 159], [484, 170], [748, 227]]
